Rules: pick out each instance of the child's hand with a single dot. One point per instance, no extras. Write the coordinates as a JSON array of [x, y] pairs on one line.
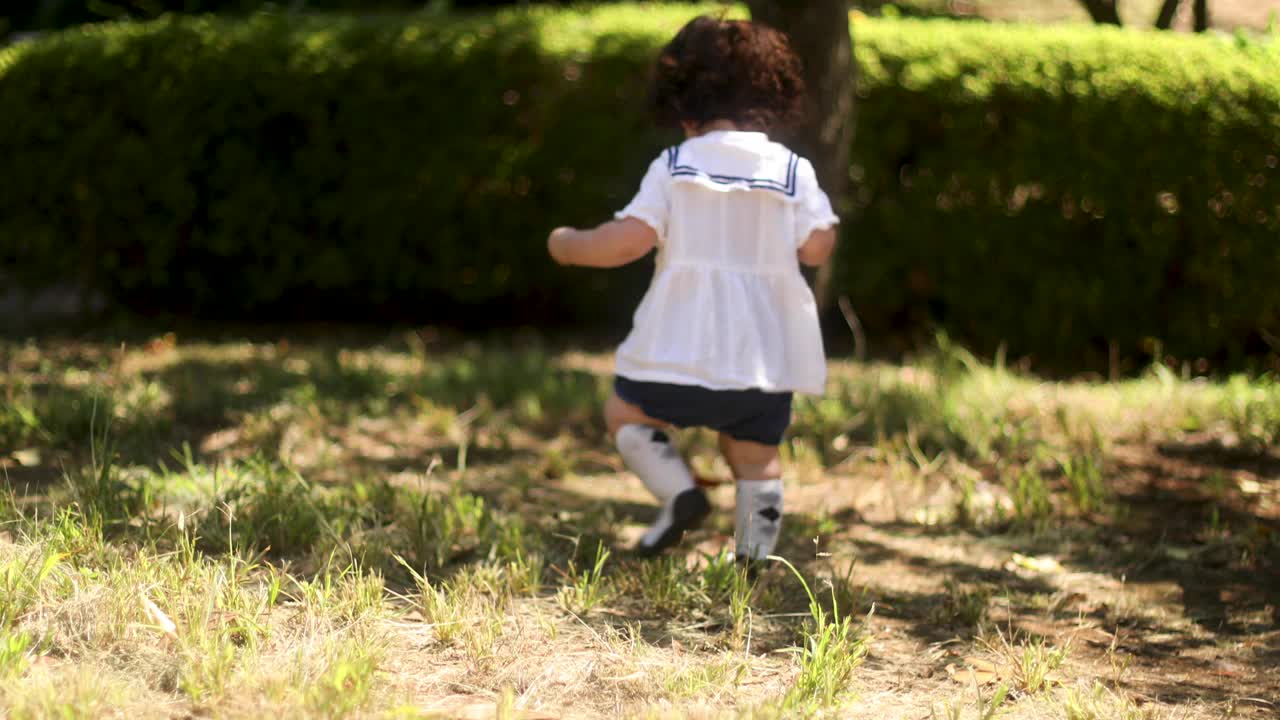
[[557, 242]]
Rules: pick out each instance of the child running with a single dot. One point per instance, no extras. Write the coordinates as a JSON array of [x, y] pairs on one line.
[[728, 329]]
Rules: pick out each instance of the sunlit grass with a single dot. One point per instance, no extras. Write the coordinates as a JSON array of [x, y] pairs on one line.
[[242, 528]]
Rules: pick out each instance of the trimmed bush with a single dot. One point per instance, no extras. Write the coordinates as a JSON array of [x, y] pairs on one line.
[[1054, 189], [1060, 188], [375, 167]]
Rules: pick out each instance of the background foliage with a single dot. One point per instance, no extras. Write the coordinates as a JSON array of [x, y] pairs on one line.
[[35, 15], [1054, 189], [1062, 187], [291, 167]]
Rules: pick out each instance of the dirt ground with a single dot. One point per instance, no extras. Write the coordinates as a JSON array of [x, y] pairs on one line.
[[1145, 608], [1156, 595]]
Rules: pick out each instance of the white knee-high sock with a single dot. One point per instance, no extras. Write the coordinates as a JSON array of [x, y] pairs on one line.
[[758, 518], [648, 452]]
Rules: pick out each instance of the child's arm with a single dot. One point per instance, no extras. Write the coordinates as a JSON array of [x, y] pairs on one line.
[[610, 245], [817, 248]]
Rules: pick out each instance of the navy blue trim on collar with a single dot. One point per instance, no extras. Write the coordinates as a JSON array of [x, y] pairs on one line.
[[787, 188]]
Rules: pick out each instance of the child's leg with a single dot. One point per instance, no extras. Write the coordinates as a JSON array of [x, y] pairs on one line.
[[758, 519], [647, 450]]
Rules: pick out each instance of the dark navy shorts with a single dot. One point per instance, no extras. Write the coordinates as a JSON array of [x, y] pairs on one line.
[[752, 415]]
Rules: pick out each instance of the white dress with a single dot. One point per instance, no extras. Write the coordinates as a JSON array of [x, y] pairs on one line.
[[728, 308]]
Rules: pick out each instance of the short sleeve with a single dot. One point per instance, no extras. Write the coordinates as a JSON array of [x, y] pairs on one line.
[[813, 207], [652, 204]]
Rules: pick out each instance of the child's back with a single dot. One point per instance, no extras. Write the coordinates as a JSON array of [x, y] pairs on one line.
[[728, 308], [729, 329]]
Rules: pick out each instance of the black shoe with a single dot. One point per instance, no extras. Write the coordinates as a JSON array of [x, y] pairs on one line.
[[688, 510]]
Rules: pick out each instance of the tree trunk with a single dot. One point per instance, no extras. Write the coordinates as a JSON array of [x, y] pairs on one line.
[[819, 31], [1103, 11], [1202, 15], [1168, 11]]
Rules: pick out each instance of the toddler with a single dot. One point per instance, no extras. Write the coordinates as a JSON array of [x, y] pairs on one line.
[[728, 329]]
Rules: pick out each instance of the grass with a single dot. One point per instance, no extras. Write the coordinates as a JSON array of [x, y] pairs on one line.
[[1253, 409], [400, 528], [962, 606], [586, 587], [831, 649], [1029, 664], [1099, 703], [74, 693]]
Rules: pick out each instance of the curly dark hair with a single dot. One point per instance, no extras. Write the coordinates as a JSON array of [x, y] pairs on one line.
[[736, 70]]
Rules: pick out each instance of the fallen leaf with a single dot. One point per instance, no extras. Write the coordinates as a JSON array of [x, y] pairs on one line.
[[1040, 564], [1063, 600], [983, 672], [981, 664]]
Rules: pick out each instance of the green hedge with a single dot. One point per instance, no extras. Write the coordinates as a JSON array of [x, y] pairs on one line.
[[378, 167], [1059, 188], [1054, 189]]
